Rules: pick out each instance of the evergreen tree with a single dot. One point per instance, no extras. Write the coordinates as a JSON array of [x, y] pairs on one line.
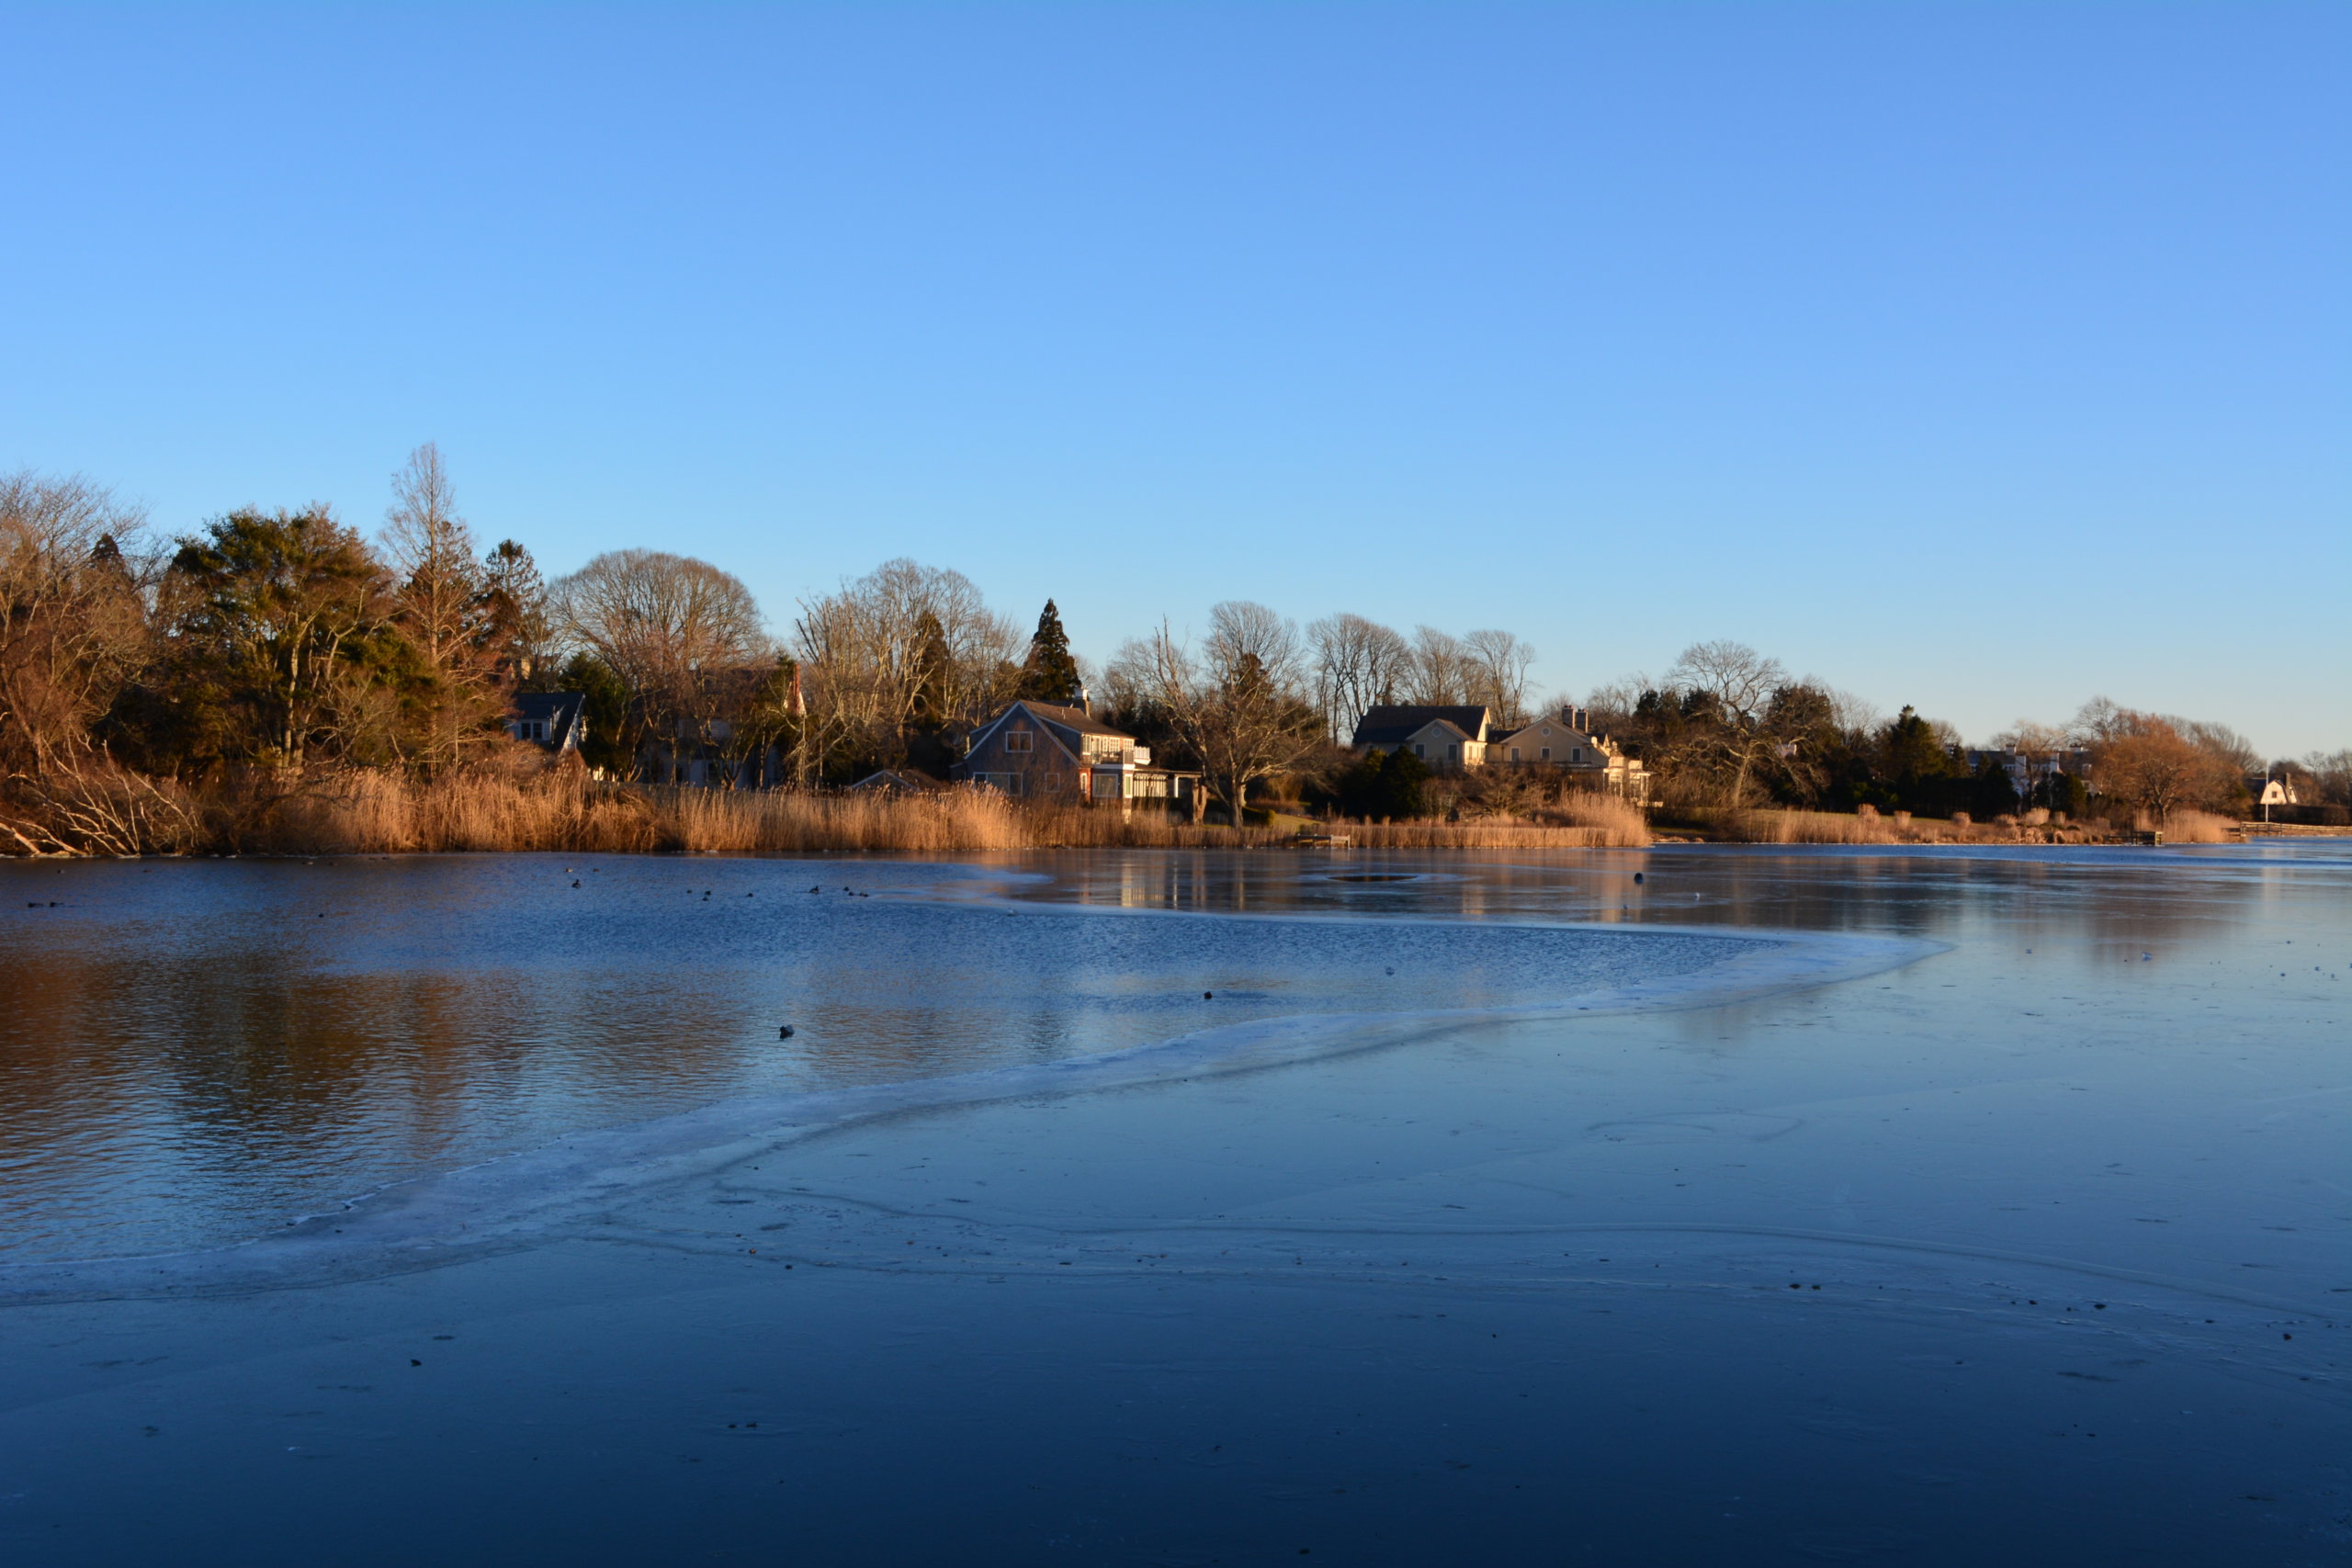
[[1049, 674], [614, 733], [930, 657], [515, 615], [1995, 793]]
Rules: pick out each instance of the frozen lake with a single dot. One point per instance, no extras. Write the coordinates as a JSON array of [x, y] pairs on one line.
[[1781, 1206], [197, 1053]]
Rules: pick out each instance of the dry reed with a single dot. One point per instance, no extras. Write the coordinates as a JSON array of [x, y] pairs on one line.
[[563, 810], [1807, 828], [2198, 827]]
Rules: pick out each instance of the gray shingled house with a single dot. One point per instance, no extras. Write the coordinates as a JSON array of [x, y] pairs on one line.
[[1043, 751]]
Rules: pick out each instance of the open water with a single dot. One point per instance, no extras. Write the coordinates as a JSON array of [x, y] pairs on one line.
[[1693, 1205]]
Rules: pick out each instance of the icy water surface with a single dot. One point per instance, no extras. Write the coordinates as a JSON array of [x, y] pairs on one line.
[[192, 1053], [1781, 1207]]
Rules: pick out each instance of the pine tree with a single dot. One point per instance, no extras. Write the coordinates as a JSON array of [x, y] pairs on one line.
[[1049, 674]]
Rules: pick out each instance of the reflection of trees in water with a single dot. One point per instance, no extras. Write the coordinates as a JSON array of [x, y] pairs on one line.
[[2128, 902], [144, 1064], [247, 1050]]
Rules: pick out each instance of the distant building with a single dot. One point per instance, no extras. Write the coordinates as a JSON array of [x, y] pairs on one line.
[[899, 781], [718, 745], [556, 720], [1565, 740], [2029, 769], [1044, 751], [1445, 736], [2267, 790]]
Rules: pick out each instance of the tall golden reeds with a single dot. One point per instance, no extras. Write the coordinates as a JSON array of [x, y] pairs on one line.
[[1806, 828], [2186, 827], [379, 812]]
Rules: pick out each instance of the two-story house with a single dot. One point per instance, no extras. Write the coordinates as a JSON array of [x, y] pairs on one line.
[[1044, 751], [1567, 740]]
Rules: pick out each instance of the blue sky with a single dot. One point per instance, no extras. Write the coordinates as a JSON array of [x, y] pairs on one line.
[[1977, 357]]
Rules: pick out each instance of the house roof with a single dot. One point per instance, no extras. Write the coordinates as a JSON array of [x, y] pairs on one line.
[[1392, 724], [1546, 730], [912, 780], [559, 708], [1077, 719]]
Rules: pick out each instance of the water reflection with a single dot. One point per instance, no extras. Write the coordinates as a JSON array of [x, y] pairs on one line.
[[191, 1052]]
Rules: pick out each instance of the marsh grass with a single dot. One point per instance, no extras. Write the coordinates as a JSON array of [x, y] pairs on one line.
[[1807, 827], [560, 809], [2196, 828], [491, 810]]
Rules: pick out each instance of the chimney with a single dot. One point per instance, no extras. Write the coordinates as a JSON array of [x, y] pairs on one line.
[[800, 707], [1085, 702]]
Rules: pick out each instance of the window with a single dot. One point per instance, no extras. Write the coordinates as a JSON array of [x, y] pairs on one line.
[[1417, 749], [1514, 754], [1580, 753], [1053, 784], [1016, 741], [1547, 753], [1453, 753]]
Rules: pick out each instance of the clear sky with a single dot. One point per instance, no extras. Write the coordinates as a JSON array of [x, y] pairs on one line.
[[1977, 357]]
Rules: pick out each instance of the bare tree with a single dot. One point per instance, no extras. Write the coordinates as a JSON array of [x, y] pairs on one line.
[[2332, 773], [1243, 633], [662, 622], [1442, 671], [905, 647], [73, 616], [2225, 745], [1737, 684], [442, 606], [1237, 706], [1613, 704], [2029, 739], [2098, 720], [1854, 713], [1500, 661], [1359, 664]]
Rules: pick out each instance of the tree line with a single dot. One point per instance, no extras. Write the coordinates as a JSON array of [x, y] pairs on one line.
[[266, 648]]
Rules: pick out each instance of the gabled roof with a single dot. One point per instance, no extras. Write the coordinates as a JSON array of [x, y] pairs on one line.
[[1557, 727], [556, 707], [1077, 719], [913, 780], [1392, 724]]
